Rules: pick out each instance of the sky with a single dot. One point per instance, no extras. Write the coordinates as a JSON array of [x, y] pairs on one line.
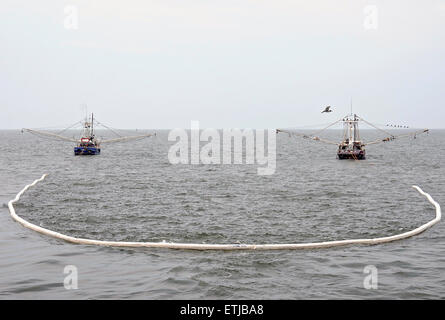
[[225, 63]]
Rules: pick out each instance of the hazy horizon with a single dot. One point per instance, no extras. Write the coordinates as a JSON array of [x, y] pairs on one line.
[[228, 64]]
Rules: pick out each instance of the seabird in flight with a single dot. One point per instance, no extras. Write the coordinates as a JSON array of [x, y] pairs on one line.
[[327, 109]]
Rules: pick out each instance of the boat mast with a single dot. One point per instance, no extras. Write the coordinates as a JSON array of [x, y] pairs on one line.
[[351, 132], [88, 128], [355, 128]]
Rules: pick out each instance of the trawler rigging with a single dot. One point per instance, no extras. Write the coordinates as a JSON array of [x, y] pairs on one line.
[[351, 146], [88, 143]]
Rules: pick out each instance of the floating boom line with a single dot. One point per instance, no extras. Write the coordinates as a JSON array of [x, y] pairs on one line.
[[199, 246]]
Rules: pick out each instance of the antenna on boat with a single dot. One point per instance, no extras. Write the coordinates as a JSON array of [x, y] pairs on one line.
[[351, 106], [84, 107]]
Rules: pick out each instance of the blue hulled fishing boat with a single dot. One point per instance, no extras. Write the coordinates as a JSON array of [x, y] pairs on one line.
[[88, 144]]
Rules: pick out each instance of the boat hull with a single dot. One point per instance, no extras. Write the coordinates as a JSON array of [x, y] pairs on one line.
[[355, 155], [86, 151]]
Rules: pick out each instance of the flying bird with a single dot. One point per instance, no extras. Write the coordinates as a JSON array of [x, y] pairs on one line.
[[327, 109]]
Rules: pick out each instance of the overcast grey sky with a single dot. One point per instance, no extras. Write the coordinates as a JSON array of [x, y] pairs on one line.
[[226, 63]]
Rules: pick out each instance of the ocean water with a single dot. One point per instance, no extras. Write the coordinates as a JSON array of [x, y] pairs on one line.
[[132, 193]]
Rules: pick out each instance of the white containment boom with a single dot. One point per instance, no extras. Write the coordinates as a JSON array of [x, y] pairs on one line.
[[198, 246]]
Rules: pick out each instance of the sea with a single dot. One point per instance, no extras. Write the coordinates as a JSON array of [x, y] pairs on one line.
[[132, 192]]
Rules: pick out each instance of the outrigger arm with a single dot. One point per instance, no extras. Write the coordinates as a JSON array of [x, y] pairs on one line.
[[313, 136], [127, 138], [392, 137], [49, 134]]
